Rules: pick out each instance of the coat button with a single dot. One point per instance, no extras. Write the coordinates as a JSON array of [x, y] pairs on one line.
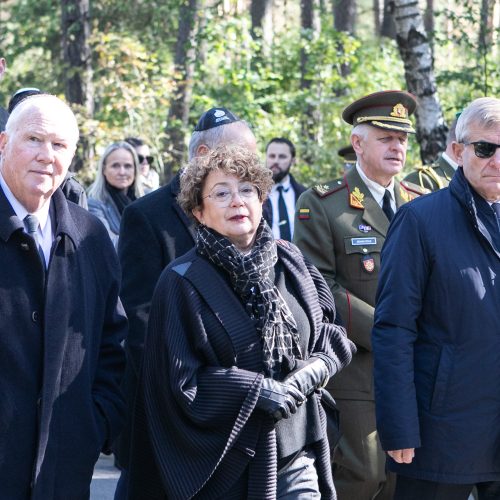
[[25, 246], [35, 316]]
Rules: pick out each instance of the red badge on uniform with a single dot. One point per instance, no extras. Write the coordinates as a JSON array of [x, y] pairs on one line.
[[368, 263]]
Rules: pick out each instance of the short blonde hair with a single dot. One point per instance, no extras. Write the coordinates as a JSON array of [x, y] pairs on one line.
[[230, 159]]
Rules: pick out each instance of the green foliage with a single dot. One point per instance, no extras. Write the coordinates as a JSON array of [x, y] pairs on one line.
[[133, 43]]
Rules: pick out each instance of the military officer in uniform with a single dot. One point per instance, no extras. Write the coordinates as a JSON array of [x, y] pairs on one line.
[[438, 175], [348, 156], [341, 227]]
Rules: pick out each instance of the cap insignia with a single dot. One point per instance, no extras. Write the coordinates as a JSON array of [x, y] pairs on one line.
[[399, 111]]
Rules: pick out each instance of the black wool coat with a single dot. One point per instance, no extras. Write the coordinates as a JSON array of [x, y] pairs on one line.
[[61, 361], [195, 430], [154, 231]]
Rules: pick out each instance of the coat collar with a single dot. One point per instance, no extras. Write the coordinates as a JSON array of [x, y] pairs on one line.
[[175, 187], [9, 222]]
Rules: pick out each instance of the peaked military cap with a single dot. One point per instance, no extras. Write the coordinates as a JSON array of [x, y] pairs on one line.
[[348, 154], [389, 109], [215, 117]]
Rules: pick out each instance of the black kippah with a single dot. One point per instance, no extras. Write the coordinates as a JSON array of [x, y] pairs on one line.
[[215, 117], [20, 95]]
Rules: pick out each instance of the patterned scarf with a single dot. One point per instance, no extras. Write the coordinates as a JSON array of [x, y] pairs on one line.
[[250, 276]]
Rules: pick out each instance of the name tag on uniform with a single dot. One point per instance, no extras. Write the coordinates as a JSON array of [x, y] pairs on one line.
[[363, 241]]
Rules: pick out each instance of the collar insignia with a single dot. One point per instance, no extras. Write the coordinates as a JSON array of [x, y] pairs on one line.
[[399, 111], [404, 194], [356, 198], [322, 188]]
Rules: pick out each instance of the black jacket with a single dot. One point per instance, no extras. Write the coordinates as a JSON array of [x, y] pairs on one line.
[[154, 231]]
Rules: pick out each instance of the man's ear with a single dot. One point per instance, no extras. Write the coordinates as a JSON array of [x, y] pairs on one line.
[[3, 140], [356, 143], [458, 149]]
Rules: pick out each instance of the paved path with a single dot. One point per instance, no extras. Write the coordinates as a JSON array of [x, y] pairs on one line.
[[104, 479]]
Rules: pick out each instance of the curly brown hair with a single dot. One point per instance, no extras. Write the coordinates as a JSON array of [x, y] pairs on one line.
[[233, 160]]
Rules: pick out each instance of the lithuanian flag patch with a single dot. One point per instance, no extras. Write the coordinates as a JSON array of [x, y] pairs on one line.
[[304, 214]]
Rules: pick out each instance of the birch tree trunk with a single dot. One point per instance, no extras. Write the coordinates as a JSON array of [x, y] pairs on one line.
[[416, 54], [178, 113], [75, 28], [262, 23]]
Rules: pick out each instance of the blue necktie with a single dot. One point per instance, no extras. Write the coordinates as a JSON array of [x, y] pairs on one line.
[[31, 223], [284, 222]]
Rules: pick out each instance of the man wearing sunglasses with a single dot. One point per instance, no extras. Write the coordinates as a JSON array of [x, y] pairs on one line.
[[436, 339], [149, 176]]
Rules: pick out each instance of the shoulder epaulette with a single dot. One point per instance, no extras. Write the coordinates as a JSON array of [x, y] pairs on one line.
[[324, 190], [414, 188]]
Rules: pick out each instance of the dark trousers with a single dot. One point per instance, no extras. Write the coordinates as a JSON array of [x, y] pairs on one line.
[[408, 488]]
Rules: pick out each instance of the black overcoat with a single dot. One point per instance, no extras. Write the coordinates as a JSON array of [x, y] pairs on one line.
[[196, 431], [61, 361], [154, 231]]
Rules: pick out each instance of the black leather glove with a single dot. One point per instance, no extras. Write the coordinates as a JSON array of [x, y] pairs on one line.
[[311, 376], [278, 399]]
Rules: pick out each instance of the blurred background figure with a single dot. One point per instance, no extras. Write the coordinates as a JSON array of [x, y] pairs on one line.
[[117, 184], [439, 174], [279, 208], [150, 179], [348, 154]]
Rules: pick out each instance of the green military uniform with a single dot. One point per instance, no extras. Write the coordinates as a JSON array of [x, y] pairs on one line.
[[432, 177], [341, 229]]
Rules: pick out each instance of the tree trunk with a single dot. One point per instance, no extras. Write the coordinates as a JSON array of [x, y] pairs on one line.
[[262, 24], [310, 118], [180, 104], [75, 28], [417, 58], [376, 17], [344, 19], [485, 36], [388, 28], [429, 16]]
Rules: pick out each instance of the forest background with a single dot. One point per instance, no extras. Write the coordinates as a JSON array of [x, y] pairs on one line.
[[289, 67]]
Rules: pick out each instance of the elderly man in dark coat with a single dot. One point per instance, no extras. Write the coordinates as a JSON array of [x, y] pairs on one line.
[[61, 322], [436, 338]]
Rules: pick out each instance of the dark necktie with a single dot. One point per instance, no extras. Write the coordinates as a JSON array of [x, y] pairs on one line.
[[31, 223], [386, 205], [496, 209], [284, 222]]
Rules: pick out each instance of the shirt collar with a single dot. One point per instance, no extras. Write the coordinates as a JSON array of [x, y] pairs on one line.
[[42, 214], [376, 189], [285, 182]]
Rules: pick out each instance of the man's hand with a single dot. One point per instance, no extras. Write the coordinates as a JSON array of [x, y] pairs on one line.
[[402, 456]]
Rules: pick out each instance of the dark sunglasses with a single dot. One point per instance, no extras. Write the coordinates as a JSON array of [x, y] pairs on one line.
[[483, 149], [149, 159]]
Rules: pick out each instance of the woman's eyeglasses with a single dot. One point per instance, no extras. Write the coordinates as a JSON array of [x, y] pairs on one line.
[[483, 149], [148, 159], [223, 195]]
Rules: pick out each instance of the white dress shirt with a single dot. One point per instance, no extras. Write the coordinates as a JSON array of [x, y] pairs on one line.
[[44, 232], [290, 201], [378, 190]]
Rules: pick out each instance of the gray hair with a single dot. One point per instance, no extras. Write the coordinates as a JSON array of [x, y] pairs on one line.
[[211, 138], [362, 130], [484, 112], [97, 189]]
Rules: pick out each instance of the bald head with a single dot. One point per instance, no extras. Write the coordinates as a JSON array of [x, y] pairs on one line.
[[37, 148]]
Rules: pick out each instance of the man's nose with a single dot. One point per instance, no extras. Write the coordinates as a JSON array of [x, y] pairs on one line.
[[46, 152]]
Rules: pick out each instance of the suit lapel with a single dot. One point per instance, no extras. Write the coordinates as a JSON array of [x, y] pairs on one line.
[[361, 198]]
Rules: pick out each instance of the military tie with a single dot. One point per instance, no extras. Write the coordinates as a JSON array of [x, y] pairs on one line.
[[284, 222], [386, 205], [31, 224]]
